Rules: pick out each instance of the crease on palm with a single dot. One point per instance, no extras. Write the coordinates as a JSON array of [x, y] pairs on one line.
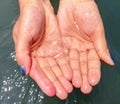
[[50, 56], [78, 23], [37, 36], [50, 44], [56, 51]]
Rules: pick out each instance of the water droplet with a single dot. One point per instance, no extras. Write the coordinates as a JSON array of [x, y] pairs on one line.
[[75, 101], [20, 95], [8, 97], [5, 89], [12, 55], [1, 97]]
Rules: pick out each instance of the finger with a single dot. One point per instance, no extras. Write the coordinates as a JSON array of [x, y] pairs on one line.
[[64, 66], [86, 87], [74, 62], [58, 73], [66, 84], [40, 78], [60, 91], [94, 73], [22, 48], [101, 45]]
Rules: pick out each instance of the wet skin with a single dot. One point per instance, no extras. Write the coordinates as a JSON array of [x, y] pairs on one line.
[[43, 45], [40, 50], [83, 34]]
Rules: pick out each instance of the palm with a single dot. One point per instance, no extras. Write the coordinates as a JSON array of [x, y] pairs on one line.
[[49, 57], [45, 56], [79, 23]]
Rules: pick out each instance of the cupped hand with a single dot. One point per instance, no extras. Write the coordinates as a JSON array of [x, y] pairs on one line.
[[83, 34], [40, 50]]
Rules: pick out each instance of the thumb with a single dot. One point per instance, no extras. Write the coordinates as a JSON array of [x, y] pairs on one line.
[[23, 55], [100, 44]]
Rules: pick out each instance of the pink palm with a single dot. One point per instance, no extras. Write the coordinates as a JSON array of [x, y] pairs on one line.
[[45, 57], [83, 34]]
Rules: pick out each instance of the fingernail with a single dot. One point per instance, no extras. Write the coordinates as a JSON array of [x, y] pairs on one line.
[[113, 60], [23, 71]]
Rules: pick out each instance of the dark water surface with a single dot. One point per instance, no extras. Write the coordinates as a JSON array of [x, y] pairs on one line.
[[15, 89]]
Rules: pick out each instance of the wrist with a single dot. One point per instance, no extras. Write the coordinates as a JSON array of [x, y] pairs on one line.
[[24, 3]]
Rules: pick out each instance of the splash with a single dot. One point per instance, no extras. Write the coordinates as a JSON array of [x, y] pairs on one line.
[[17, 89]]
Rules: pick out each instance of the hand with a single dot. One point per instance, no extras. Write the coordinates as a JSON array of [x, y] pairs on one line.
[[40, 50], [83, 34]]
